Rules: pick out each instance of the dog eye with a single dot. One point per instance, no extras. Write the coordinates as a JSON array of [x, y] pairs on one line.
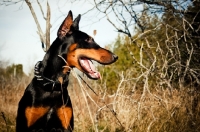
[[89, 40]]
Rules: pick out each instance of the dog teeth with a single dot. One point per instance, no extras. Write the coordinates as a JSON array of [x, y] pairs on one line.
[[89, 67]]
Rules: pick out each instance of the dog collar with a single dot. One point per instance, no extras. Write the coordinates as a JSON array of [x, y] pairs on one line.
[[44, 80]]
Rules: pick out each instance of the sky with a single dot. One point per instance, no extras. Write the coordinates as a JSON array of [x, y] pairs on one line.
[[19, 41]]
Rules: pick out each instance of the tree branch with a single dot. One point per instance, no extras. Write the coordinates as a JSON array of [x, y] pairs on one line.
[[42, 9], [41, 34], [48, 26]]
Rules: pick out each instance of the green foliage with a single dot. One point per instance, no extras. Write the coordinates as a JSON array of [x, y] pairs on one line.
[[110, 73], [11, 71], [129, 55]]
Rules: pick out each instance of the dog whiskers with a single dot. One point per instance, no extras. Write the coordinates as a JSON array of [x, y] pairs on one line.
[[65, 62]]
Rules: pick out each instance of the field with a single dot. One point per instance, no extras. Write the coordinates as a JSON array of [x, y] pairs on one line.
[[152, 87], [157, 110]]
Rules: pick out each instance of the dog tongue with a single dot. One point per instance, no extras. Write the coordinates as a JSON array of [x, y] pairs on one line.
[[90, 68]]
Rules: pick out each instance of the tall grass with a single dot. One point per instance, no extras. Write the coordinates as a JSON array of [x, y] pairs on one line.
[[159, 110], [11, 90]]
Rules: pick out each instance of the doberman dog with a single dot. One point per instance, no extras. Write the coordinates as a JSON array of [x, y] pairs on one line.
[[46, 105]]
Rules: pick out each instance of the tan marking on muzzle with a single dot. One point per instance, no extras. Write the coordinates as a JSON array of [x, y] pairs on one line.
[[100, 55]]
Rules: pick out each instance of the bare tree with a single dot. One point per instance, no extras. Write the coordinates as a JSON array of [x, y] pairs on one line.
[[44, 35], [129, 13]]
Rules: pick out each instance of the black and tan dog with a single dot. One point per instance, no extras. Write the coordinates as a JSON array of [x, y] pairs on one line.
[[45, 105]]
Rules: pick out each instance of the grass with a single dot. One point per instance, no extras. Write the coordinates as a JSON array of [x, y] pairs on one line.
[[158, 110], [11, 91]]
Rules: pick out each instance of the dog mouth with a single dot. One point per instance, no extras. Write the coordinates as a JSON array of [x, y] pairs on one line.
[[89, 68]]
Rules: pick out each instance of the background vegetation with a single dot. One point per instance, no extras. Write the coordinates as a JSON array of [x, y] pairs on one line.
[[154, 86]]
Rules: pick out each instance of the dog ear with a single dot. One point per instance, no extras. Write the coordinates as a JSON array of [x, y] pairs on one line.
[[65, 26], [76, 22]]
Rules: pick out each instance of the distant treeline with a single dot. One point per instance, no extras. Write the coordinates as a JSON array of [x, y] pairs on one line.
[[14, 70]]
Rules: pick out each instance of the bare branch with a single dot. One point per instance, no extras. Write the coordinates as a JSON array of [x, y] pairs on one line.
[[40, 32], [42, 9], [10, 2], [48, 26]]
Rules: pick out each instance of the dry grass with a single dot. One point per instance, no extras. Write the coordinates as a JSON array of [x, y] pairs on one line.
[[156, 112], [139, 111], [11, 91]]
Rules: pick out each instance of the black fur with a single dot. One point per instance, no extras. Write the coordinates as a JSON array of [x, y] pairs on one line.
[[43, 97]]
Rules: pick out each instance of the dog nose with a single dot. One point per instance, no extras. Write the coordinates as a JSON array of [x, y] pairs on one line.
[[115, 57]]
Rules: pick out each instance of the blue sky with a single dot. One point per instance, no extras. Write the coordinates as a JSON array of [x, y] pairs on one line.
[[20, 44]]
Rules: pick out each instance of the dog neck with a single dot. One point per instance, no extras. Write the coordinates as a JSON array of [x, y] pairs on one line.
[[54, 66], [55, 77]]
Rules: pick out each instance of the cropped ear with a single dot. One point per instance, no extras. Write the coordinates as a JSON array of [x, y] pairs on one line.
[[65, 26], [76, 22]]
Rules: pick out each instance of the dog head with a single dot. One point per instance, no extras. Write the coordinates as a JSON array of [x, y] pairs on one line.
[[79, 49]]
